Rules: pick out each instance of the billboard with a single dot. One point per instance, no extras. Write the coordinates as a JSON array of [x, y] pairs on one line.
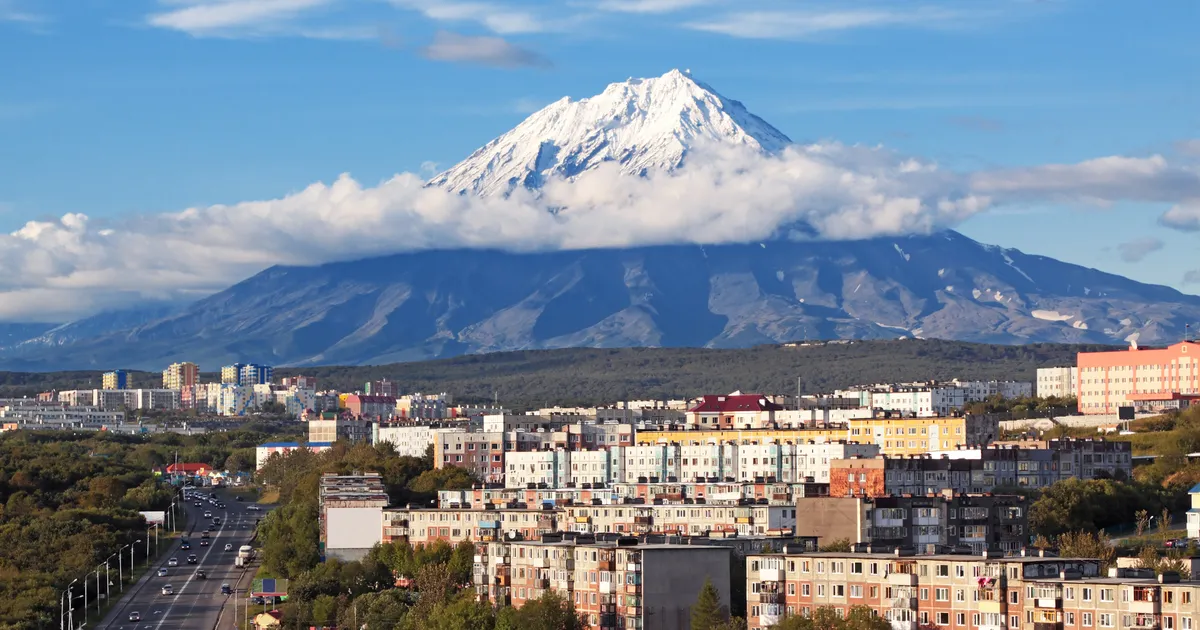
[[353, 528], [155, 517], [268, 587], [1125, 413]]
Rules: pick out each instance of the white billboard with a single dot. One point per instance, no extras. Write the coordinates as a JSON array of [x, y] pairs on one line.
[[353, 528], [155, 517]]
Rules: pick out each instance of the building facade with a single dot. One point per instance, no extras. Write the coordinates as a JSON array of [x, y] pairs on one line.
[[117, 379], [1110, 380], [1061, 382], [181, 376]]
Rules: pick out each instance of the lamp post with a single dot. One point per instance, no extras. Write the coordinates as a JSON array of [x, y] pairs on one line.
[[71, 605], [121, 568], [131, 548], [62, 604], [107, 577]]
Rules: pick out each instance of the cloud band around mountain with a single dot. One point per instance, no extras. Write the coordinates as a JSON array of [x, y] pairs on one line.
[[56, 270]]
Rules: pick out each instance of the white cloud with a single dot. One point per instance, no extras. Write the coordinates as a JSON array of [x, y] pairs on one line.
[[1137, 249], [482, 50], [1183, 216], [12, 11], [804, 24], [495, 17], [243, 17], [73, 266], [650, 6]]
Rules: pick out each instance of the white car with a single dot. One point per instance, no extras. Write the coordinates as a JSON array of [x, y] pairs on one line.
[[228, 547], [253, 508], [168, 590], [162, 573], [172, 562]]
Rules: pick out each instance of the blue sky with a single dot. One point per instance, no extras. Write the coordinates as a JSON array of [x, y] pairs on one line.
[[123, 108]]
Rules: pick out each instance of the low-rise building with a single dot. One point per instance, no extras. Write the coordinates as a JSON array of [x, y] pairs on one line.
[[264, 451], [371, 407]]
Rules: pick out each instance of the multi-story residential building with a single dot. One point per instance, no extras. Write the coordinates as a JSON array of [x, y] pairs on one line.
[[181, 376], [595, 468], [121, 399], [116, 379], [247, 374], [350, 514], [424, 406], [958, 592], [526, 422], [919, 400], [1114, 379], [537, 468], [978, 391], [303, 382], [587, 493], [331, 429], [1193, 513], [737, 410], [480, 453], [682, 518], [411, 440], [371, 407], [1085, 458], [454, 525], [381, 388], [619, 584], [227, 399], [894, 435], [1061, 382]]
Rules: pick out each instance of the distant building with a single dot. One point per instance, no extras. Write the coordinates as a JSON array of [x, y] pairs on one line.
[[411, 440], [247, 374], [381, 388], [117, 379], [371, 407], [232, 374], [303, 382], [1193, 514], [264, 451], [1114, 379], [118, 399], [740, 411], [336, 428], [181, 376], [1061, 382]]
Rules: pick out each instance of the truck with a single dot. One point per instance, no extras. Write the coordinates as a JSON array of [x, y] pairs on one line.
[[246, 552]]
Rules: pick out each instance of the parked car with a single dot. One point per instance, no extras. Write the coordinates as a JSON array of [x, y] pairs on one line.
[[135, 616], [168, 590], [173, 562], [237, 498]]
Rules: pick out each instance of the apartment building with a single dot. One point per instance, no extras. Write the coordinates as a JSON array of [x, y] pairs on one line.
[[620, 584], [737, 410], [334, 428], [959, 592], [1087, 458], [482, 454], [116, 379], [681, 518], [538, 468], [920, 400], [411, 440], [371, 407], [963, 471], [263, 452], [453, 525], [303, 382], [620, 493], [350, 514], [920, 522], [893, 435], [1061, 382], [180, 376], [121, 399], [381, 388], [424, 406], [247, 374], [1114, 379]]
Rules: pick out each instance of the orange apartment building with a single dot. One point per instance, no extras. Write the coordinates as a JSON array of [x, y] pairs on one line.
[[956, 592], [1109, 380]]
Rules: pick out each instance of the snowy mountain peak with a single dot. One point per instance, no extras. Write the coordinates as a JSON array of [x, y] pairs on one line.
[[643, 124]]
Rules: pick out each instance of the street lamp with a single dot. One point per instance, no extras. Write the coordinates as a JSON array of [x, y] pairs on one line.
[[121, 569], [131, 548], [70, 605], [62, 603], [155, 526], [107, 578]]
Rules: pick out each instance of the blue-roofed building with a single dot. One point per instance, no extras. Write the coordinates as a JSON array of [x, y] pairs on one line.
[[1193, 514], [263, 451]]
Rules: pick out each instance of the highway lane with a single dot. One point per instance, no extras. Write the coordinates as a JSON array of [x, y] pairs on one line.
[[196, 603]]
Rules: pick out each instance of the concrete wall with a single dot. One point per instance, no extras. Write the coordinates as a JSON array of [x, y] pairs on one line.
[[831, 518], [672, 579]]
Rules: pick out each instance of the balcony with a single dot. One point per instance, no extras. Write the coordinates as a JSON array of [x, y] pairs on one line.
[[904, 602], [991, 606], [770, 575], [540, 563], [1145, 622], [1048, 602], [1145, 607], [633, 589], [541, 583], [1048, 626], [770, 598], [903, 625], [633, 567], [902, 579], [606, 588], [605, 565]]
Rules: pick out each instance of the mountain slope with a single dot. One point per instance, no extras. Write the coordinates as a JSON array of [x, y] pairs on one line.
[[642, 124], [438, 304]]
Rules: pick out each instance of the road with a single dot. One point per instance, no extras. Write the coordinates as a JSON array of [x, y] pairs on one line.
[[197, 604]]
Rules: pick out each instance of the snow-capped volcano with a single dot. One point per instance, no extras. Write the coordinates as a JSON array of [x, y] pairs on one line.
[[643, 124]]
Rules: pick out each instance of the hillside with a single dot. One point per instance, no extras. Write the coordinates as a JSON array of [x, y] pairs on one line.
[[532, 379], [536, 378]]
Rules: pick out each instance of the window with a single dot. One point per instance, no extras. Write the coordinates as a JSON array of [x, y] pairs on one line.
[[1169, 623], [1106, 595], [961, 619], [924, 594], [1070, 619], [1087, 597], [942, 594], [943, 619], [943, 570], [1069, 593], [1014, 621], [856, 590], [804, 590], [1185, 623], [1087, 619], [838, 590], [1105, 619], [960, 595]]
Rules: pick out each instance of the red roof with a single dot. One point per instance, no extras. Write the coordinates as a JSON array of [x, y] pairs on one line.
[[188, 468], [731, 404]]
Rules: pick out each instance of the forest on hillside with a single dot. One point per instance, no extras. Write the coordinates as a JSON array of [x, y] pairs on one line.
[[535, 378]]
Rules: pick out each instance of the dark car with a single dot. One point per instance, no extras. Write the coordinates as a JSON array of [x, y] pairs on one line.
[[192, 559], [226, 589], [204, 543], [185, 545], [200, 575], [237, 498], [135, 616]]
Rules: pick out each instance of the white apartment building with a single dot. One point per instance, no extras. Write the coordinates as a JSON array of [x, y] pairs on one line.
[[650, 461], [227, 399], [1062, 382], [537, 467], [706, 461], [411, 441], [591, 467], [116, 399], [982, 390]]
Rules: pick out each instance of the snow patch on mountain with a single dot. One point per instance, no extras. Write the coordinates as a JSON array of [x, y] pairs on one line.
[[1051, 316], [642, 124]]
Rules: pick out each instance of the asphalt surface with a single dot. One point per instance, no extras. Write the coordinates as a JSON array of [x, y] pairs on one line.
[[196, 604]]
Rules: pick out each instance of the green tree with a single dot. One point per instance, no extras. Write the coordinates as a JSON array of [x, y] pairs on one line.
[[837, 545], [1142, 519], [1085, 544], [707, 613], [462, 562], [551, 611]]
